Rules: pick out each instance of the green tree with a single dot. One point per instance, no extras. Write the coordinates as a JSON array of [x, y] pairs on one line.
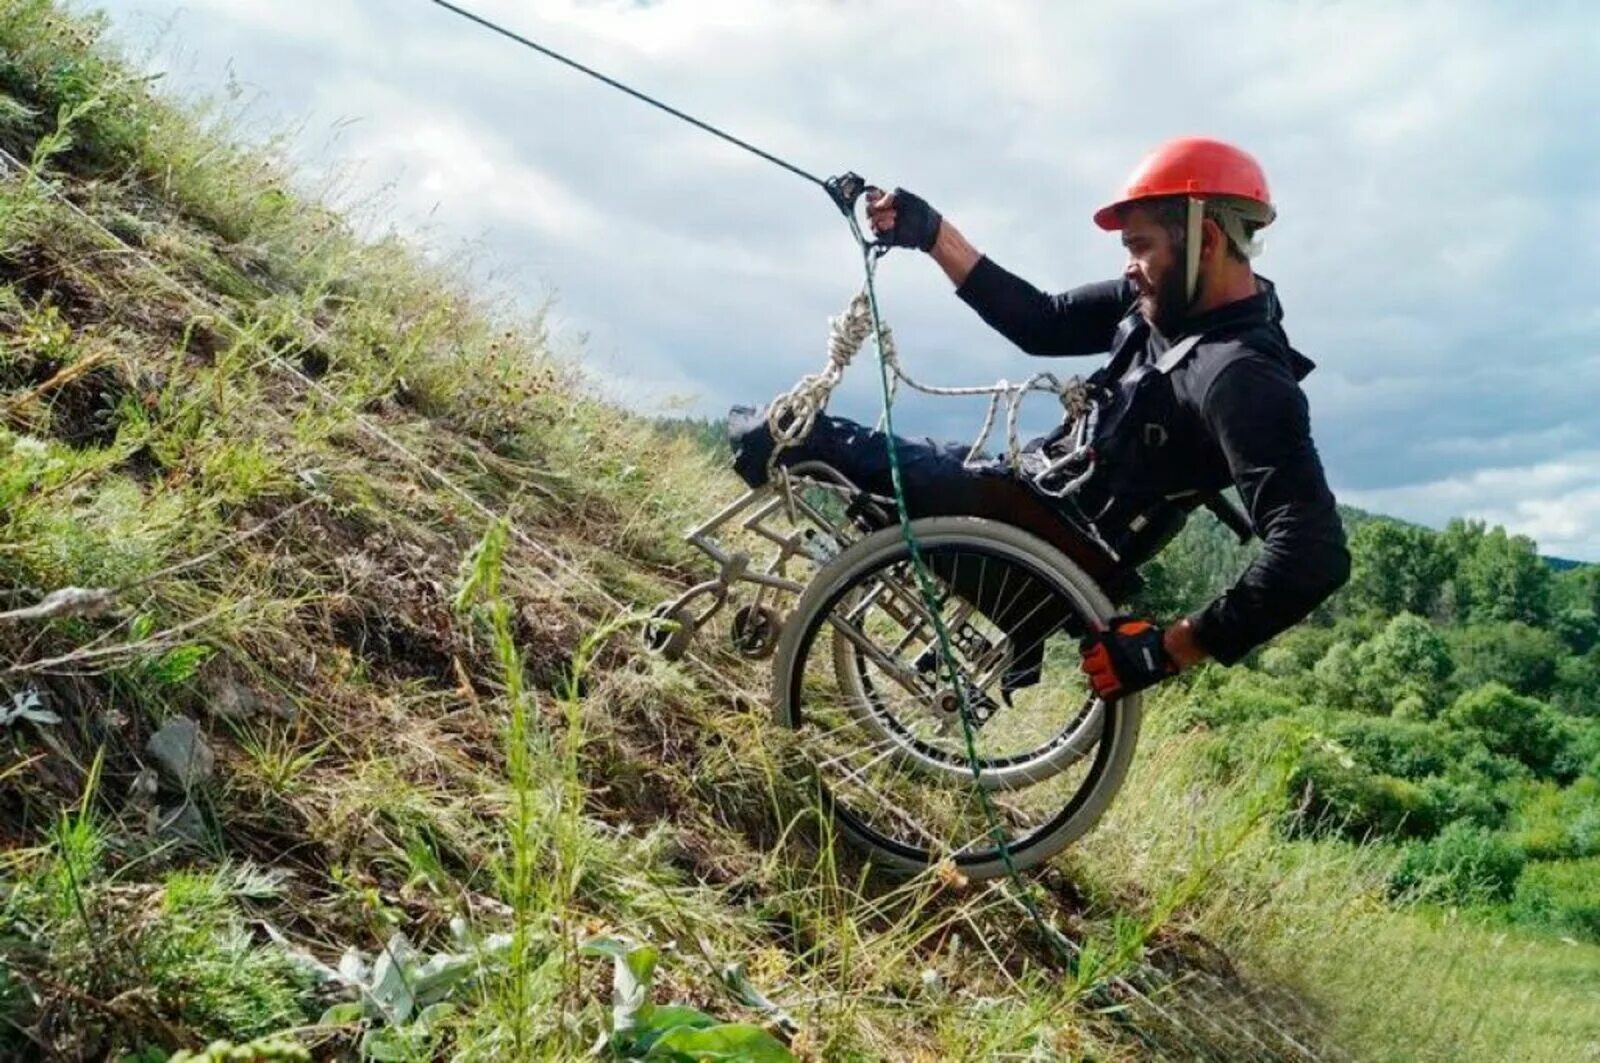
[[1336, 675], [1407, 662], [1396, 568], [1578, 684], [1578, 627], [1579, 588], [1525, 658], [1503, 578]]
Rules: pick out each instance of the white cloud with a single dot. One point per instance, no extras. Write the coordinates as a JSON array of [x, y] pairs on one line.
[[1557, 503]]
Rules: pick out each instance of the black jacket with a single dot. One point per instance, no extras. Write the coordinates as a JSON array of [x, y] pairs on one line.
[[1240, 419]]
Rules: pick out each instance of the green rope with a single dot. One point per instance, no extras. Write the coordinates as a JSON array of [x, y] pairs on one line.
[[930, 599]]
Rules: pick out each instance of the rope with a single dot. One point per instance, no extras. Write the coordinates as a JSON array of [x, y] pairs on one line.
[[792, 415], [635, 93]]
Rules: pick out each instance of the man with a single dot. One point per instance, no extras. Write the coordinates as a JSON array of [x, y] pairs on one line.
[[1208, 397], [1188, 218]]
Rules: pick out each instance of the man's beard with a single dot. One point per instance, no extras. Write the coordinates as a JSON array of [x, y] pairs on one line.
[[1167, 305]]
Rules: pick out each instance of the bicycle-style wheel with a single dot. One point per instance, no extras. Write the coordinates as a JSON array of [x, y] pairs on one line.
[[859, 677]]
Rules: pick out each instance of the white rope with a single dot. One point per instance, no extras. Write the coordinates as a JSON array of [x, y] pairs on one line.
[[792, 415]]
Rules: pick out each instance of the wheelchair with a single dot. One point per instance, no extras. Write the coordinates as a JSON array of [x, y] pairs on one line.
[[816, 575]]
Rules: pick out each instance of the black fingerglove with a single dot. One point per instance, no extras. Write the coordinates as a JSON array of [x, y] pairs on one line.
[[915, 223]]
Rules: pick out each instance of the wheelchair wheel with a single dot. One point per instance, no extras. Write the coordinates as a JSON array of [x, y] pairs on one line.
[[859, 678]]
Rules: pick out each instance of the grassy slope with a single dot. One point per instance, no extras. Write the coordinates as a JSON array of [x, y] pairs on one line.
[[370, 789]]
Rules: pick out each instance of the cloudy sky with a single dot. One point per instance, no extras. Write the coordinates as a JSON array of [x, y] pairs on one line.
[[1436, 168]]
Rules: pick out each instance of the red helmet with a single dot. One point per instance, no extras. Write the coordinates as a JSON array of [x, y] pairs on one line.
[[1192, 166]]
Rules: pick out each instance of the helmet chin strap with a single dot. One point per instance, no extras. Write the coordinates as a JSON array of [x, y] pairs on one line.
[[1191, 248]]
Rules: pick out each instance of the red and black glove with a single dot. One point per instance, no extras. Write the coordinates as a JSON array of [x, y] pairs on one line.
[[1126, 656]]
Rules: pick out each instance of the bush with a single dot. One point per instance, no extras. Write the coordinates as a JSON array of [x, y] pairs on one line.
[[1239, 697], [1300, 648], [1410, 749], [1558, 824], [1466, 798], [1524, 658], [1332, 794], [1578, 684], [1336, 674], [1519, 727], [199, 957], [1561, 896], [1407, 661], [1465, 864], [1578, 627]]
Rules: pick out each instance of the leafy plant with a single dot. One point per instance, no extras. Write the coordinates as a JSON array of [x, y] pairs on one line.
[[641, 1029], [1464, 865], [1561, 896]]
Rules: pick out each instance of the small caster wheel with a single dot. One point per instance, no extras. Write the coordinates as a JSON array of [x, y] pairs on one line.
[[669, 632], [755, 632]]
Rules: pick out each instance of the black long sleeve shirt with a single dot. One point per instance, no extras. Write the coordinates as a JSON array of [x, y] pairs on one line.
[[1243, 420]]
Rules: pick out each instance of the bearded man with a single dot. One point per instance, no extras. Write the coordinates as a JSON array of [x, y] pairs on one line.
[[1209, 399]]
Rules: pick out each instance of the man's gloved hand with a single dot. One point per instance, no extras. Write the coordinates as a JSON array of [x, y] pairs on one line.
[[903, 219], [1128, 656]]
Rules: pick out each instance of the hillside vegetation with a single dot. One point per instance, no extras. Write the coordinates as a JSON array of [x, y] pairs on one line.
[[346, 750]]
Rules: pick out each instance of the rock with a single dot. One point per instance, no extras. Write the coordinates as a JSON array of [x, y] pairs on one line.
[[233, 700], [183, 823], [144, 786], [181, 752]]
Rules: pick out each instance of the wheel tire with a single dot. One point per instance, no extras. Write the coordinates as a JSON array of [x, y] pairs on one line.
[[754, 632], [1119, 722], [669, 643]]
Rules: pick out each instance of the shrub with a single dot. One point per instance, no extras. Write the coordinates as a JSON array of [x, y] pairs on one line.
[[1578, 684], [1332, 794], [1336, 674], [1300, 648], [199, 957], [1466, 798], [1562, 896], [1516, 726], [1407, 748], [1465, 864], [1409, 658], [1239, 698], [1524, 658], [1407, 661], [1578, 627], [1558, 824]]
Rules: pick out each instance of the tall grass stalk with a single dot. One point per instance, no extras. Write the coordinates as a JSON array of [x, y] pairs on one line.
[[528, 900]]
